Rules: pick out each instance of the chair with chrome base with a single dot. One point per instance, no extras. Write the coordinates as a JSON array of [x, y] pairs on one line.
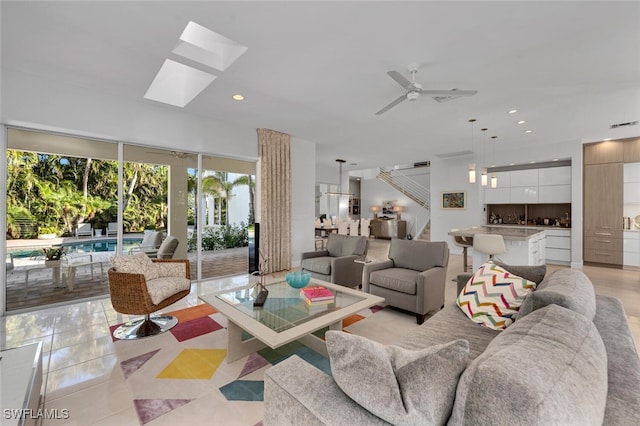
[[490, 244], [141, 287]]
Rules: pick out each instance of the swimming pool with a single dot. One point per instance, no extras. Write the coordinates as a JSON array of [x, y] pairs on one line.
[[72, 247]]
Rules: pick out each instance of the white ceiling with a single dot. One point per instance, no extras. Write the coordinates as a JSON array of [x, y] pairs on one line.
[[317, 70]]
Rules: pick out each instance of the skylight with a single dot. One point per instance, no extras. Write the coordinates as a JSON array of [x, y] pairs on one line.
[[177, 84], [207, 47]]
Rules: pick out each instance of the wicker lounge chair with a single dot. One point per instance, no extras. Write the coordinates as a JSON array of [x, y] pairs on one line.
[[130, 295]]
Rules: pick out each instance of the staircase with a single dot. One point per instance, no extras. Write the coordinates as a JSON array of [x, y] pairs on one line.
[[413, 190], [409, 187]]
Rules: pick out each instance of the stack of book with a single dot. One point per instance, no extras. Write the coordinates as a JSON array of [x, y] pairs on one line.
[[317, 295]]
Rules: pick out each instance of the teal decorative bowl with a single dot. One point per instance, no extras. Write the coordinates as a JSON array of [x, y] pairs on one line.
[[298, 279]]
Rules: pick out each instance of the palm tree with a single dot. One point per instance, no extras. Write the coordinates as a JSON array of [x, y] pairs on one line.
[[216, 184]]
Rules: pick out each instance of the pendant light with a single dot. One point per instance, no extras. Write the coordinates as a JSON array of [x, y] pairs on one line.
[[472, 166], [494, 177], [339, 191], [483, 177]]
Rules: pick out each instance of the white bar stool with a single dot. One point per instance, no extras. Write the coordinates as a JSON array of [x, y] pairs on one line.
[[489, 244]]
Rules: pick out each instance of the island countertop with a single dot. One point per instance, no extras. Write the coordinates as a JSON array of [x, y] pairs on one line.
[[513, 234]]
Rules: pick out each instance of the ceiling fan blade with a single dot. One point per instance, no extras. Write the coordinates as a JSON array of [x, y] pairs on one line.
[[392, 104], [400, 79], [453, 92]]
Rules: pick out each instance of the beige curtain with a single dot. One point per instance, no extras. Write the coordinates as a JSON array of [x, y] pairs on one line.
[[275, 199]]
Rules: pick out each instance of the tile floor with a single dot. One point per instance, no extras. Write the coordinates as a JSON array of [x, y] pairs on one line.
[[79, 360]]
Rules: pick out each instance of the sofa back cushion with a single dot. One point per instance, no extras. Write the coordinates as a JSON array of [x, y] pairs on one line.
[[569, 288], [401, 386], [418, 255], [549, 367], [345, 245]]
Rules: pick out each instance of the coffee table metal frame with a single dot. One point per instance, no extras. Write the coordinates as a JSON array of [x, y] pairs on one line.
[[239, 320]]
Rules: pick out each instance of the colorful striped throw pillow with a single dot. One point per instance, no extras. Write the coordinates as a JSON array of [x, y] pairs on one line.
[[492, 296]]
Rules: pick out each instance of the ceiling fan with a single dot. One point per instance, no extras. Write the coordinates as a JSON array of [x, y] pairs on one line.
[[413, 90]]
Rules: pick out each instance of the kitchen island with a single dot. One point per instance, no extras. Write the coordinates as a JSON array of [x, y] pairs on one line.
[[525, 246]]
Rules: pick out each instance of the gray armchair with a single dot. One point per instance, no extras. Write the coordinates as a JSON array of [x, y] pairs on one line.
[[413, 278], [337, 263]]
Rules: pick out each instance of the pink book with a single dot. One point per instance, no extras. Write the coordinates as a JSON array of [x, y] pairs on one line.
[[315, 293]]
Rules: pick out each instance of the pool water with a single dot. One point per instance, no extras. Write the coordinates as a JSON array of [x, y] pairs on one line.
[[89, 246]]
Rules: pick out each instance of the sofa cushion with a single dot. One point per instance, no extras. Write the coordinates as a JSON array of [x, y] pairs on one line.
[[548, 367], [319, 265], [418, 255], [569, 288], [401, 386], [162, 288], [492, 296], [136, 264], [397, 279]]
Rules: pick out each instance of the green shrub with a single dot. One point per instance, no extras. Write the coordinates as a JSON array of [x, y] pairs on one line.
[[221, 238]]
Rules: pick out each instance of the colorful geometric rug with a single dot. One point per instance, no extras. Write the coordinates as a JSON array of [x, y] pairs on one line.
[[168, 373]]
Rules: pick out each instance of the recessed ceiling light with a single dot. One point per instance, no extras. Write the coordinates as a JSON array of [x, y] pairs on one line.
[[555, 159], [238, 98], [606, 139], [521, 122], [513, 111], [528, 131], [532, 162]]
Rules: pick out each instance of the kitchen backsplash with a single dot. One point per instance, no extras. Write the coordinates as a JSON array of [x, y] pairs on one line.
[[530, 214]]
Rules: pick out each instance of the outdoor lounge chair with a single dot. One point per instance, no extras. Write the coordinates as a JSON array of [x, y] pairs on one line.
[[150, 243], [112, 228], [84, 229]]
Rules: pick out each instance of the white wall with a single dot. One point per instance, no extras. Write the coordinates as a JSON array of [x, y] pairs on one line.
[[452, 174]]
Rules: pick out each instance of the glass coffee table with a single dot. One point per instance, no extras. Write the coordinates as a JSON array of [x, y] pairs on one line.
[[284, 317]]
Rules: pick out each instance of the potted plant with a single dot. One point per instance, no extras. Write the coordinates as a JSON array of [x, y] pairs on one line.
[[53, 255], [47, 232]]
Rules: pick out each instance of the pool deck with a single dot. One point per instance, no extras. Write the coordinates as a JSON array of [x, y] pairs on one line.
[[31, 284]]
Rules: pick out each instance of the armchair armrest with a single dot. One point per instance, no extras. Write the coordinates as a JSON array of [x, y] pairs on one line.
[[310, 254], [344, 270], [431, 285]]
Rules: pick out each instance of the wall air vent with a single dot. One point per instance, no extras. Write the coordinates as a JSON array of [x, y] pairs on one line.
[[455, 154], [628, 123], [422, 164]]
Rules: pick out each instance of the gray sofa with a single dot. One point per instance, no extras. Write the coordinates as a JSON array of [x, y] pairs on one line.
[[568, 359], [337, 263], [413, 278]]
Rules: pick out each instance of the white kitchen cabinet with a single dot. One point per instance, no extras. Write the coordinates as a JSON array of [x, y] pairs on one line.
[[497, 195], [524, 194], [524, 178], [554, 176], [554, 194], [631, 248], [558, 246]]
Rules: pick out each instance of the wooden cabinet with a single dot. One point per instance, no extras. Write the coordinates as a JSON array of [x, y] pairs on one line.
[[604, 152], [603, 211], [631, 150]]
